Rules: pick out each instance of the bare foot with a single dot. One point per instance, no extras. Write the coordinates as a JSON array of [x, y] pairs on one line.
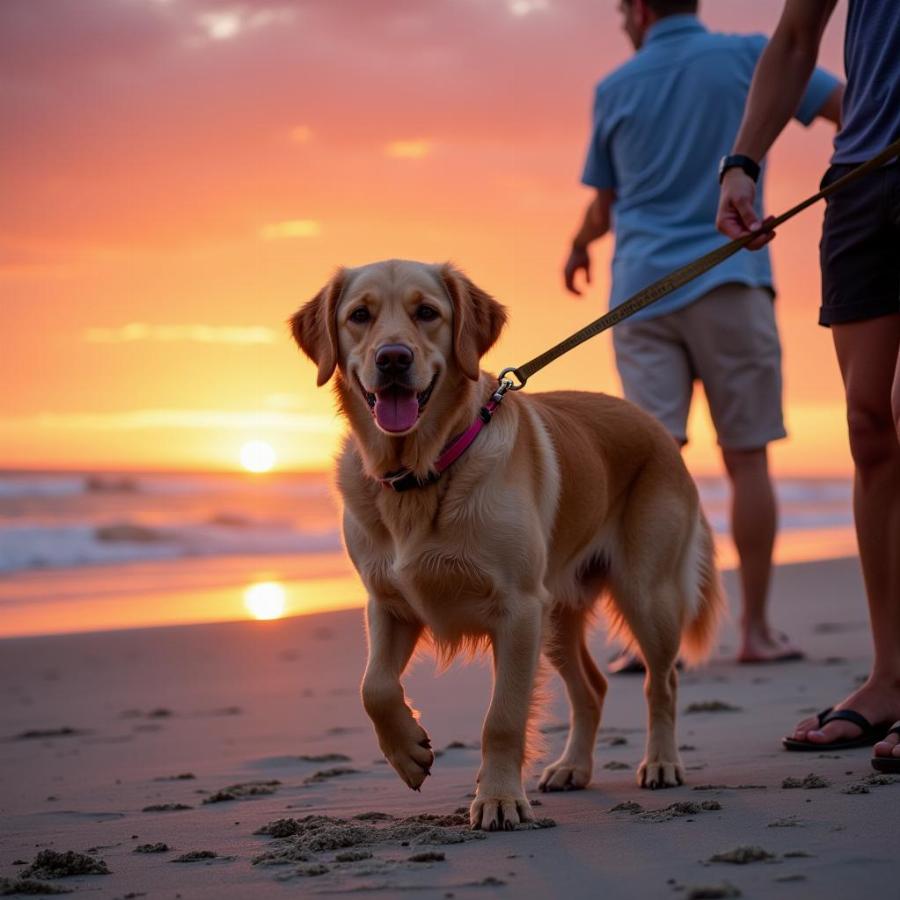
[[768, 647], [890, 746], [878, 702]]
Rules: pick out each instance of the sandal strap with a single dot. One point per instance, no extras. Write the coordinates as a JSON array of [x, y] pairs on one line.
[[849, 715], [822, 716], [894, 729]]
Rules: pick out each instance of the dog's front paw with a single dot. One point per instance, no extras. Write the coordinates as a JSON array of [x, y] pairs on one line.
[[410, 754], [659, 773], [566, 775], [499, 810]]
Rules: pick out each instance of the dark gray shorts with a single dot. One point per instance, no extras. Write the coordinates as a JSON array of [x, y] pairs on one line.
[[860, 247]]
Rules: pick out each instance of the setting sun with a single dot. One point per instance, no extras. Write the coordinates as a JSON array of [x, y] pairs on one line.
[[257, 456], [265, 600]]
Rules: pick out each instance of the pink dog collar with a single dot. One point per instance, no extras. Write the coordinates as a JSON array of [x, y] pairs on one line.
[[404, 480]]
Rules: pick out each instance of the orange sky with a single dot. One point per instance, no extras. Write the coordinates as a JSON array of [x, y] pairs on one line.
[[177, 176]]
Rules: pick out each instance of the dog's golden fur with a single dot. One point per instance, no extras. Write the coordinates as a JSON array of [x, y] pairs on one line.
[[564, 498]]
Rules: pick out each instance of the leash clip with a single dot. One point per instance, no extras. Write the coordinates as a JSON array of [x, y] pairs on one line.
[[507, 384]]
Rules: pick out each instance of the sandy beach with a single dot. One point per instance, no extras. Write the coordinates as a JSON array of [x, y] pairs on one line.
[[166, 755]]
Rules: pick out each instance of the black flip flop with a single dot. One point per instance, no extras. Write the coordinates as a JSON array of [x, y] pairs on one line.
[[890, 765], [871, 734]]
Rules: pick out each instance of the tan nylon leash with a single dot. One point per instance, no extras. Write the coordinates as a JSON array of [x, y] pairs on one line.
[[681, 277]]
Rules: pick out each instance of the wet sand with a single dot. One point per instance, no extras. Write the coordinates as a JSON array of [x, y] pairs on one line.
[[235, 760]]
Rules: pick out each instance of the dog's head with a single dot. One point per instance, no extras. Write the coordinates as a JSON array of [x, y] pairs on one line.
[[398, 333]]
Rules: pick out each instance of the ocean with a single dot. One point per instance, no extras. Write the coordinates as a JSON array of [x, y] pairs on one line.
[[84, 551], [70, 520]]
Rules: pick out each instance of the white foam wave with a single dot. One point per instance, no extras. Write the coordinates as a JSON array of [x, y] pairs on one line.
[[63, 546]]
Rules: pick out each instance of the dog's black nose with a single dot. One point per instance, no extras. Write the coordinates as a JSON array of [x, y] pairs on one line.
[[393, 358]]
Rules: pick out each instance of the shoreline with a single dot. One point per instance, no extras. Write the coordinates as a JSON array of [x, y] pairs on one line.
[[193, 590]]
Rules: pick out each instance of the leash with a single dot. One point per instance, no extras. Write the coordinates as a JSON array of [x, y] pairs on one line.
[[680, 277], [404, 480]]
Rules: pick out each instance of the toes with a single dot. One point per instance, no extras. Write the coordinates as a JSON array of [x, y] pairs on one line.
[[654, 776], [888, 747], [562, 777], [499, 813], [803, 729], [413, 764]]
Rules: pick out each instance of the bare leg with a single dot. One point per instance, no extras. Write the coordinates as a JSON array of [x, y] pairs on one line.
[[586, 688], [753, 524], [500, 800], [403, 741], [869, 356]]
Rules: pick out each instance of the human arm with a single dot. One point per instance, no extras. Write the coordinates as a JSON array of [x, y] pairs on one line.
[[596, 223], [778, 84]]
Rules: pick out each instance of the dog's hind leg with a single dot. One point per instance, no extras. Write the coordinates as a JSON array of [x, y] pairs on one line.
[[651, 610], [586, 688], [403, 741], [661, 766], [500, 801]]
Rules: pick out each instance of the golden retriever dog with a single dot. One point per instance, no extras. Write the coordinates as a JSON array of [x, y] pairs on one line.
[[564, 498]]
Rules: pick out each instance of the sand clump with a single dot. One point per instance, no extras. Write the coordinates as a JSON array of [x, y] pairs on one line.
[[809, 782], [326, 774], [628, 806], [37, 734], [302, 840], [350, 856], [679, 810], [158, 847], [28, 886], [714, 706], [166, 807], [856, 789], [52, 864], [243, 791], [743, 855], [196, 856], [879, 779]]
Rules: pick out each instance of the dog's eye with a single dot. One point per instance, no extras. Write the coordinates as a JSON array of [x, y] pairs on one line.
[[360, 315], [426, 313]]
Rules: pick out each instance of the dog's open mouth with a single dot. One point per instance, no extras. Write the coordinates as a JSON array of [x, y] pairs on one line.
[[396, 408]]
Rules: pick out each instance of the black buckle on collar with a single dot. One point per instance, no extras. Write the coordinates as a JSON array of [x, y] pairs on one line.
[[400, 482]]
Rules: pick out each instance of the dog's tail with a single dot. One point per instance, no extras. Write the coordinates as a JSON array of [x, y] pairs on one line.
[[703, 591]]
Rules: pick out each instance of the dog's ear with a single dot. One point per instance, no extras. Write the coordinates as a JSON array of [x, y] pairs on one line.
[[477, 319], [315, 330]]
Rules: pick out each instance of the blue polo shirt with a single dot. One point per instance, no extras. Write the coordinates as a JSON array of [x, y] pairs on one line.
[[661, 123]]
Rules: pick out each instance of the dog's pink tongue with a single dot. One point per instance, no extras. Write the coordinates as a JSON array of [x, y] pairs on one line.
[[396, 410]]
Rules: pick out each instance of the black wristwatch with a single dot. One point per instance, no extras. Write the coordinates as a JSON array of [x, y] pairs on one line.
[[749, 166]]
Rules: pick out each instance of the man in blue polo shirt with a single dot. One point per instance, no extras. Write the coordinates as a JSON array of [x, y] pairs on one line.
[[661, 123]]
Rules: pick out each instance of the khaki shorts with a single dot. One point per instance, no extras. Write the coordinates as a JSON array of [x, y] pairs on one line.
[[728, 341]]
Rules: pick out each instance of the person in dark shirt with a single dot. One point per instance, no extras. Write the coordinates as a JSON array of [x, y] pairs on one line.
[[860, 259]]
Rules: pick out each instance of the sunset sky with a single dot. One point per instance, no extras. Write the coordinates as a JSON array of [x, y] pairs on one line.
[[177, 176]]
